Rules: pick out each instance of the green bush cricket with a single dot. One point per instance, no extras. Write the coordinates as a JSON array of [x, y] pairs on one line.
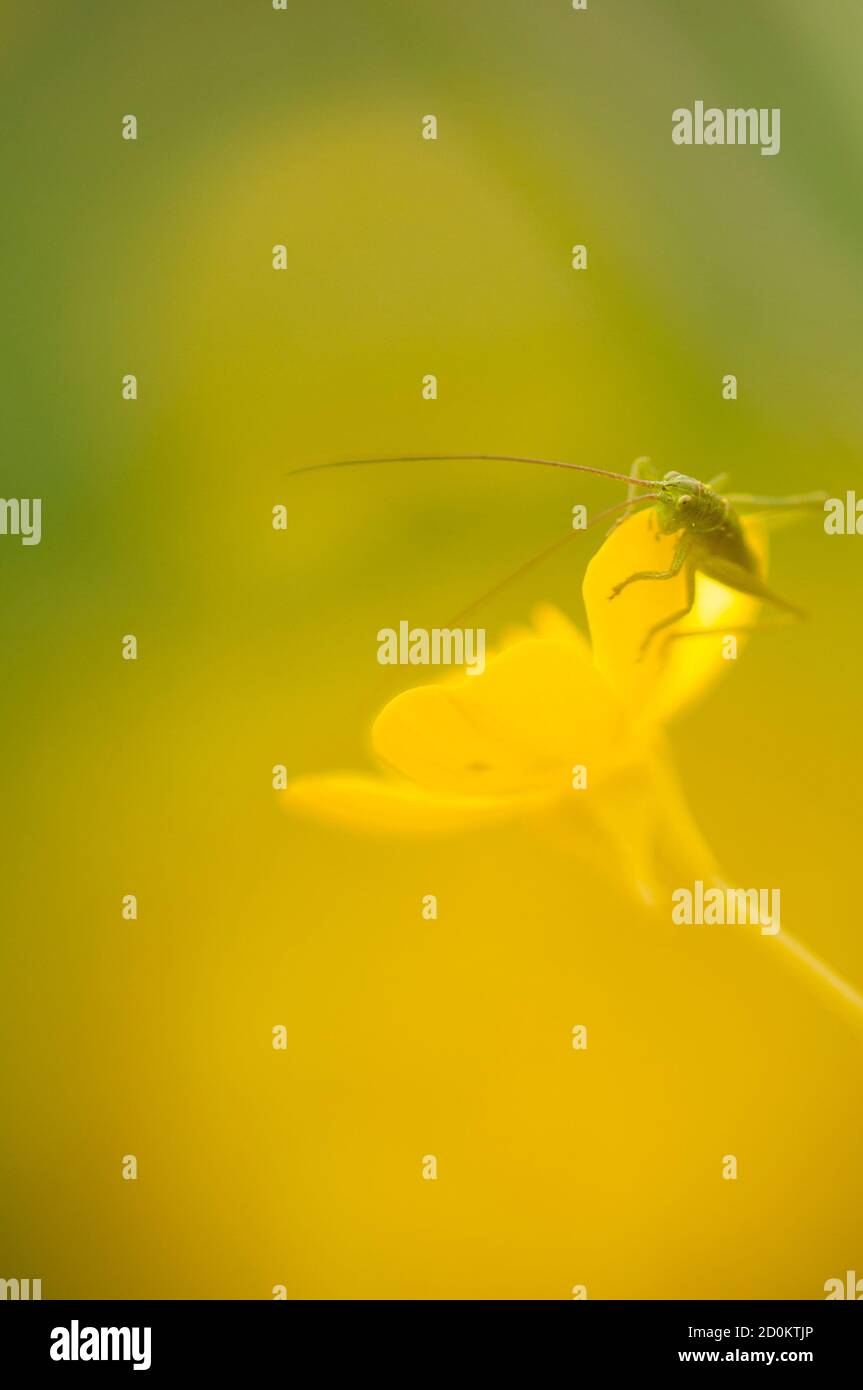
[[711, 540]]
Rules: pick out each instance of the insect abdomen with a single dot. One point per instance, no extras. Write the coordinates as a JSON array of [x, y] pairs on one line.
[[729, 543]]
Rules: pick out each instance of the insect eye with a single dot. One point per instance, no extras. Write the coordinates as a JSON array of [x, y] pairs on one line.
[[685, 500]]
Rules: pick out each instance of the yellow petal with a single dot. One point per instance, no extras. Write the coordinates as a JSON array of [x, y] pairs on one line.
[[377, 806], [545, 621], [671, 674], [539, 709]]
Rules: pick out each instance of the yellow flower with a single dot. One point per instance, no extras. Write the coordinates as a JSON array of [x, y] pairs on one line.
[[502, 746], [475, 750]]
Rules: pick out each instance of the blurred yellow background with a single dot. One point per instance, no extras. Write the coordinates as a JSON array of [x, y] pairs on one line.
[[257, 647]]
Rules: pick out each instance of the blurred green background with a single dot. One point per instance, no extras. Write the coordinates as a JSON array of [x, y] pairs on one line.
[[408, 257]]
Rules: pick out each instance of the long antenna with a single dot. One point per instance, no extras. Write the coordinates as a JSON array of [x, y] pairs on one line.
[[474, 458], [631, 503]]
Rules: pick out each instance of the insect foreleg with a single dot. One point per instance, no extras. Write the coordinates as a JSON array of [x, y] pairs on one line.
[[684, 545], [640, 470], [674, 617]]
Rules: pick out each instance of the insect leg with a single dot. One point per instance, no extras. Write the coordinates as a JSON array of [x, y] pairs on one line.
[[639, 471], [764, 625], [674, 617], [718, 483], [642, 468], [683, 547], [802, 499]]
